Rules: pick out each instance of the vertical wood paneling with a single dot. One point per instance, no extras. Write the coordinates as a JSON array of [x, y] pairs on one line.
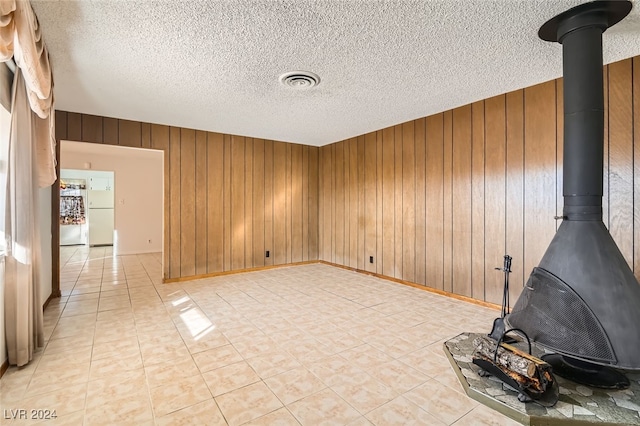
[[540, 169], [326, 226], [620, 156], [304, 195], [462, 206], [361, 262], [279, 203], [408, 202], [296, 180], [353, 202], [370, 200], [477, 200], [226, 204], [314, 205], [379, 204], [248, 203], [219, 194], [201, 203], [347, 205], [160, 140], [237, 202], [515, 196], [215, 202], [146, 135], [258, 203], [323, 201], [288, 204], [130, 133], [388, 202], [420, 213], [448, 201], [398, 216], [74, 126], [435, 202], [187, 202], [174, 202], [268, 202], [110, 131], [333, 199], [495, 193], [91, 128], [339, 191]]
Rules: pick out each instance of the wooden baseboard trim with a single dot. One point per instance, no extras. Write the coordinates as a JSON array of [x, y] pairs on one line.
[[418, 286], [348, 268], [4, 367], [46, 302], [235, 271]]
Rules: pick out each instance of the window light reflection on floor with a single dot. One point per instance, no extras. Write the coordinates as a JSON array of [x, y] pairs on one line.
[[197, 323], [180, 301]]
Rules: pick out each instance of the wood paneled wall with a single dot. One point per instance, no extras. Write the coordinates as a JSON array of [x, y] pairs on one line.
[[228, 199], [438, 201]]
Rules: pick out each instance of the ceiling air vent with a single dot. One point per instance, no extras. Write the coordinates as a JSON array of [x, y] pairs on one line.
[[300, 79]]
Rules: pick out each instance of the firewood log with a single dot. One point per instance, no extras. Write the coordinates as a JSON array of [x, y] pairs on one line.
[[513, 361]]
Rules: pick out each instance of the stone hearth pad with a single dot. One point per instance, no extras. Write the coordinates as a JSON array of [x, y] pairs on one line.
[[577, 405]]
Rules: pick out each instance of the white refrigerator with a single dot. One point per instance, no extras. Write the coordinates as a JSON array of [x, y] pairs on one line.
[[101, 218]]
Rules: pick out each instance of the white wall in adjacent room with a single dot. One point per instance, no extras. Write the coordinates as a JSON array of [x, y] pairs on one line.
[[138, 190]]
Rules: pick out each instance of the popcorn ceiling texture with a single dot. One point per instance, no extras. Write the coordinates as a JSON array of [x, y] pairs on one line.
[[214, 65]]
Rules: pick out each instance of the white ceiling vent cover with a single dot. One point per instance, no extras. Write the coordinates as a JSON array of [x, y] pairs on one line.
[[300, 79]]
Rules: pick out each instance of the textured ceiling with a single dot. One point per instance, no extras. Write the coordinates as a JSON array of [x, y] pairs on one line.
[[214, 65]]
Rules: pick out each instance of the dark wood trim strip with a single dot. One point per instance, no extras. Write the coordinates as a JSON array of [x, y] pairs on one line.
[[49, 299], [4, 367], [61, 133]]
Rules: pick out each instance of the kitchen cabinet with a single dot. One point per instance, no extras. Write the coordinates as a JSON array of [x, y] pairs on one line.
[[101, 184]]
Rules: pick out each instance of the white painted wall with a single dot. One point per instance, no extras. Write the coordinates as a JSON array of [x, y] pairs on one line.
[[138, 190]]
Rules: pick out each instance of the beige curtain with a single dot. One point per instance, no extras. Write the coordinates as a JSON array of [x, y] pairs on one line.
[[23, 308], [31, 163]]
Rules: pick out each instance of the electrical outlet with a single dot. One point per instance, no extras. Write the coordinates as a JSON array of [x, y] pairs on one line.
[[370, 259], [267, 253]]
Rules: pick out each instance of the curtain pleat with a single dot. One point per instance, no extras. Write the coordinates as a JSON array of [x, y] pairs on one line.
[[7, 29], [23, 307], [31, 56], [21, 39]]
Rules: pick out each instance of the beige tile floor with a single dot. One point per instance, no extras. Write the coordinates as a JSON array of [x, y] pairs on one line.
[[310, 345]]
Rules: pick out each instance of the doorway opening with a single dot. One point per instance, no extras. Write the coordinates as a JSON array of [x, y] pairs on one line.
[[123, 186], [87, 208]]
